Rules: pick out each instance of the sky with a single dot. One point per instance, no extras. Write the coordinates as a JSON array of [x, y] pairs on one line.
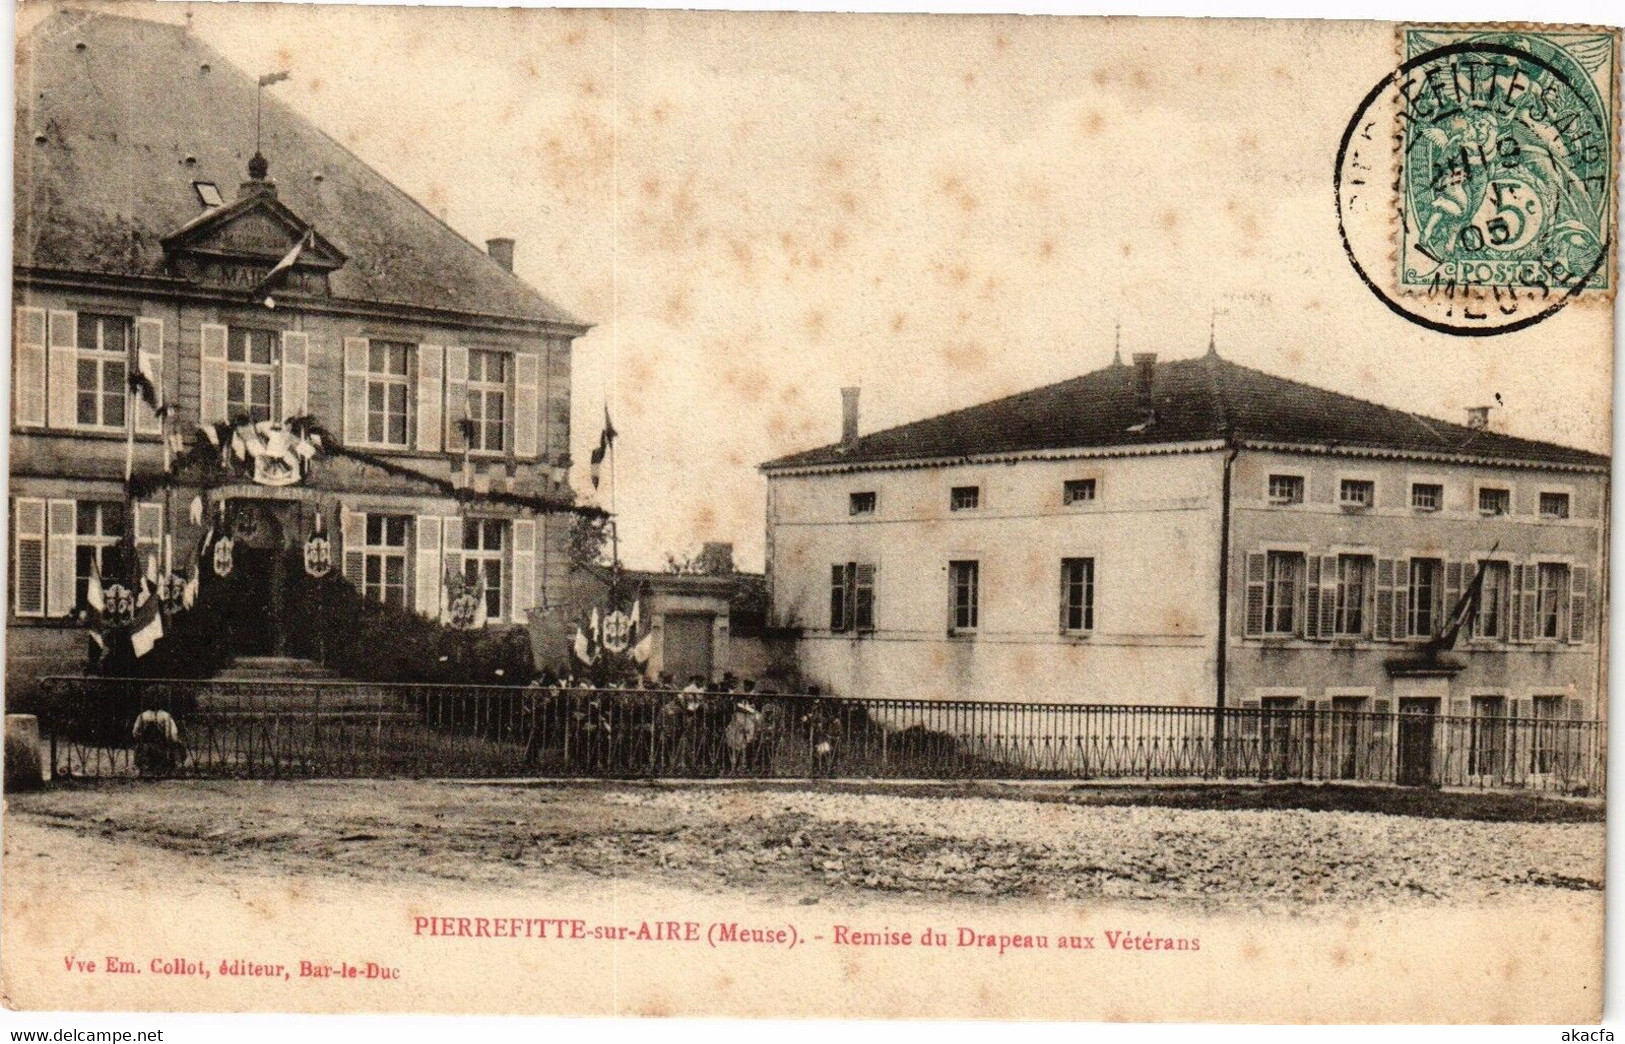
[[757, 210]]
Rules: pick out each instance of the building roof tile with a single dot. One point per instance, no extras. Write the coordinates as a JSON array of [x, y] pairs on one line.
[[117, 117], [1194, 400]]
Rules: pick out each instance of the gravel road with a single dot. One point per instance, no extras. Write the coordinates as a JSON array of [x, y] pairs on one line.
[[816, 842]]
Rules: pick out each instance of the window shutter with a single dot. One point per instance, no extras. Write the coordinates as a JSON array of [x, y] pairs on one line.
[[1254, 623], [28, 378], [59, 567], [28, 524], [456, 398], [451, 534], [353, 533], [863, 615], [295, 373], [1526, 598], [63, 392], [1383, 626], [525, 400], [355, 390], [1452, 590], [1328, 596], [426, 566], [1514, 603], [1402, 592], [523, 598], [431, 425], [149, 531], [149, 353], [1311, 598], [1523, 709], [1579, 602], [212, 375]]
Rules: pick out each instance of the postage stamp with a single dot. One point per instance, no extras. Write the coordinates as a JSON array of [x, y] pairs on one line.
[[1508, 159]]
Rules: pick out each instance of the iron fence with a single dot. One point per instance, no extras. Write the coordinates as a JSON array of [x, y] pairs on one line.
[[304, 728]]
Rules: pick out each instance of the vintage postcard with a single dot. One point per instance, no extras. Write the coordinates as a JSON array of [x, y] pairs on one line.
[[681, 513]]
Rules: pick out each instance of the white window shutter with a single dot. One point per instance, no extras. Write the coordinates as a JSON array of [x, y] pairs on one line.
[[63, 391], [524, 569], [28, 378], [1383, 624], [28, 563], [456, 399], [353, 533], [427, 566], [355, 390], [1402, 597], [295, 373], [211, 399], [1253, 622], [1514, 603], [451, 533], [59, 567], [149, 353], [1579, 602], [1311, 598], [149, 526], [1528, 625], [526, 398], [431, 359], [1328, 596]]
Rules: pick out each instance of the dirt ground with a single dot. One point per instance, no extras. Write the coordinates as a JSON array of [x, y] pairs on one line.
[[1282, 849]]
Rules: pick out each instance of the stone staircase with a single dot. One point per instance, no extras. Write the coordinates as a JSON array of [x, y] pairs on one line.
[[274, 668]]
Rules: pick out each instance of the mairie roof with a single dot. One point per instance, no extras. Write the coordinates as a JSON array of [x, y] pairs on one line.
[[1195, 400], [117, 118]]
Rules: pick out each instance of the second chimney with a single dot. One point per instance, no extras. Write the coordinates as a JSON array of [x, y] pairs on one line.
[[1478, 418], [849, 416], [1145, 368], [501, 251]]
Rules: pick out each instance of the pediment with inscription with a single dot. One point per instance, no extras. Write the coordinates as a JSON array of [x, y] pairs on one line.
[[238, 245]]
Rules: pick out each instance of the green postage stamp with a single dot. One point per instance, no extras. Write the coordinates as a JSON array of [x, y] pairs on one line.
[[1508, 139]]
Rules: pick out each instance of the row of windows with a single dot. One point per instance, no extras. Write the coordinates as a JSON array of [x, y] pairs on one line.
[[384, 559], [103, 346], [86, 538], [1288, 489], [853, 585], [1294, 594], [969, 498]]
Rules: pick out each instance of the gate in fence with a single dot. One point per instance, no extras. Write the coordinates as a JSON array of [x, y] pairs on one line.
[[265, 730]]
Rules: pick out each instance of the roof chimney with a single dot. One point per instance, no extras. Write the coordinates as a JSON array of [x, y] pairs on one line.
[[501, 251], [1478, 418], [1145, 368], [849, 416]]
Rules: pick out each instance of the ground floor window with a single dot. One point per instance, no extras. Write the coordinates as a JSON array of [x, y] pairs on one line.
[[99, 526], [1547, 739], [384, 578], [484, 541], [1486, 750]]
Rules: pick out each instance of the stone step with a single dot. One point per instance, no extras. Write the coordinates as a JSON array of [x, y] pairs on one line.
[[254, 668]]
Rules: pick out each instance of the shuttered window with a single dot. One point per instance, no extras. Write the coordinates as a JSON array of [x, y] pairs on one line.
[[388, 390], [28, 386], [852, 597], [250, 374], [487, 401], [102, 371], [98, 528], [1283, 582], [384, 559], [1424, 606], [1493, 602], [1353, 595], [484, 540], [1551, 600]]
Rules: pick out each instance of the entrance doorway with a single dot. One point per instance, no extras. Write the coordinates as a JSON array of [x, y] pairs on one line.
[[1418, 720], [257, 590], [686, 648]]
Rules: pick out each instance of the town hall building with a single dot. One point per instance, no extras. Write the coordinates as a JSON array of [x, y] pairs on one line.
[[251, 286]]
